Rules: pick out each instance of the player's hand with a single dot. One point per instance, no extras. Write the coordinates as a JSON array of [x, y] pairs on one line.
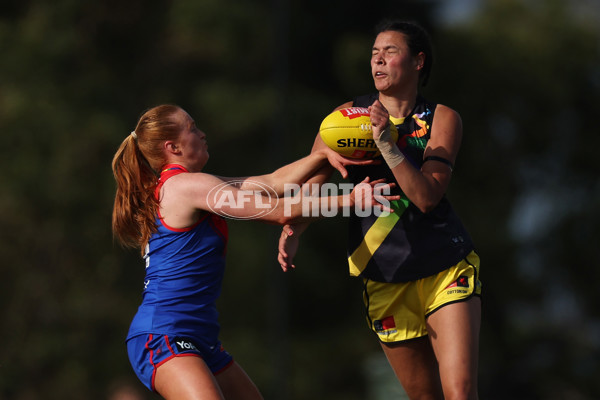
[[338, 161], [371, 195], [380, 120], [288, 247]]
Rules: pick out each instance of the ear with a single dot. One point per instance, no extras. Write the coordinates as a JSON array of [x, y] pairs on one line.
[[171, 147], [420, 60]]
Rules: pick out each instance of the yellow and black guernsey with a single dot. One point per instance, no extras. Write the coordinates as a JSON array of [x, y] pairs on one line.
[[407, 244]]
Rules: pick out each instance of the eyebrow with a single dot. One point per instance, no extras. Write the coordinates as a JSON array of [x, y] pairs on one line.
[[390, 46]]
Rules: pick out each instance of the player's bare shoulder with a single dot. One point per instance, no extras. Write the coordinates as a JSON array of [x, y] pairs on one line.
[[448, 118], [446, 133]]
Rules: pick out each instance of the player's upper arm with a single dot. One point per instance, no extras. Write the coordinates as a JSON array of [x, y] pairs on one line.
[[446, 135], [443, 145]]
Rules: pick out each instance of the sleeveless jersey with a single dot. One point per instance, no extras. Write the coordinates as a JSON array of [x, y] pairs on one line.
[[184, 272], [407, 244]]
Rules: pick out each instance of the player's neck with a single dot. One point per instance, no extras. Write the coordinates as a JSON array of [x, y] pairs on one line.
[[400, 99], [399, 106]]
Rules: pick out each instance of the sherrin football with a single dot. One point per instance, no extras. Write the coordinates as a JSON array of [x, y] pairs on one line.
[[348, 131]]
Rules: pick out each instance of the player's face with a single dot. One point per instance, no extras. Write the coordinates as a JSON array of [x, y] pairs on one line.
[[392, 65], [193, 145]]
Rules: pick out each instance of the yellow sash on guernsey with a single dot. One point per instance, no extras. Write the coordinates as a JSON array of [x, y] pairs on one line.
[[375, 236]]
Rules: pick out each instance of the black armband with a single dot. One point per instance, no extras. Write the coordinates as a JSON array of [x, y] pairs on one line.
[[440, 159]]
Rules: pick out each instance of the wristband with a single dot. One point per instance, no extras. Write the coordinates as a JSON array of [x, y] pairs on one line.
[[390, 152]]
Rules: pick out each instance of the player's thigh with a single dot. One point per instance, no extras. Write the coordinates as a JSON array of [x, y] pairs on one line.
[[236, 384], [186, 378], [415, 365], [454, 333]]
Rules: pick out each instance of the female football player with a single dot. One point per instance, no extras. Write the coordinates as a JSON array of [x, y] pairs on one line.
[[418, 265], [165, 205]]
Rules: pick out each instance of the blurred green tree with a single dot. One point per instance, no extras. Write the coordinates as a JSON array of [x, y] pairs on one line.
[[524, 76]]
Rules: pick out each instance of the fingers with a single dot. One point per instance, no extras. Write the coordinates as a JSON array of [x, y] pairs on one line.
[[379, 115], [358, 161], [284, 261], [284, 257], [379, 182], [382, 185], [373, 194], [285, 266], [384, 206], [288, 230], [340, 168], [380, 119], [339, 162]]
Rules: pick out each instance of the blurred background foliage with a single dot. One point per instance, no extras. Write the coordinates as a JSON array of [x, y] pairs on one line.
[[258, 77]]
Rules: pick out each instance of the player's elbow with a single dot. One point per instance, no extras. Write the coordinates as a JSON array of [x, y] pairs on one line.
[[427, 200], [426, 205]]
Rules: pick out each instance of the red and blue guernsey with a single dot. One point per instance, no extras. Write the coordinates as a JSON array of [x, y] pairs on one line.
[[184, 272]]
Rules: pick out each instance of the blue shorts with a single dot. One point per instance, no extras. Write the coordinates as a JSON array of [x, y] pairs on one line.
[[148, 352]]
